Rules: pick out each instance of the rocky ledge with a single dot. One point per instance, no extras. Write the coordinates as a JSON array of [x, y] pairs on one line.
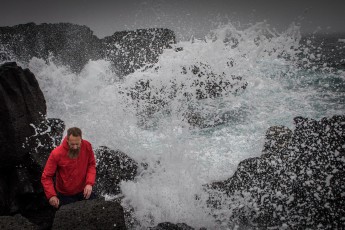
[[297, 183]]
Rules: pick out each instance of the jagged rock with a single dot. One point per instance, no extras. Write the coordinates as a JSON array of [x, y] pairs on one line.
[[205, 84], [21, 192], [69, 44], [26, 139], [74, 45], [113, 166], [21, 103], [90, 214], [152, 100], [277, 139], [131, 50], [298, 186], [48, 135], [16, 222], [211, 85], [171, 226]]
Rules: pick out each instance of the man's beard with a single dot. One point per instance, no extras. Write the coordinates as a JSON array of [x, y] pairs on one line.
[[73, 153]]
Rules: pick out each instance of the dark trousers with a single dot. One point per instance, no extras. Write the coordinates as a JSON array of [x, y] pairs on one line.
[[74, 198]]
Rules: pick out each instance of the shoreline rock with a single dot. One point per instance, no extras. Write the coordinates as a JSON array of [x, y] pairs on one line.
[[90, 214], [298, 181], [74, 45]]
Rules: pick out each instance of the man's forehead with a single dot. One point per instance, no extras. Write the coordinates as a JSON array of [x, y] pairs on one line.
[[72, 138]]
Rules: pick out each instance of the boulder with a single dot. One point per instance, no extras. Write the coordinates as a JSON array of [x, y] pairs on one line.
[[22, 105], [90, 214], [26, 137], [297, 183], [153, 100], [16, 222], [131, 50], [113, 166]]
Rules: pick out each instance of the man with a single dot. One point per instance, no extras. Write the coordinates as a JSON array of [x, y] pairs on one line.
[[73, 164]]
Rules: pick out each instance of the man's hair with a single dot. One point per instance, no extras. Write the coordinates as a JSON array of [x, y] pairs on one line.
[[74, 131]]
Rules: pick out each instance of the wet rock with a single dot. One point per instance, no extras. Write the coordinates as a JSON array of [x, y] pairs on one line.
[[74, 45], [90, 214], [209, 84], [131, 50], [48, 135], [16, 222], [67, 44], [297, 183], [171, 226], [277, 139], [153, 100], [26, 138], [113, 166], [21, 104]]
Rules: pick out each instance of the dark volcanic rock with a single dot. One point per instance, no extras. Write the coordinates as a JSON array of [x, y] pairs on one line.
[[171, 226], [74, 45], [112, 168], [21, 104], [152, 100], [90, 214], [277, 139], [131, 50], [16, 222], [69, 44], [26, 139], [297, 183], [48, 135]]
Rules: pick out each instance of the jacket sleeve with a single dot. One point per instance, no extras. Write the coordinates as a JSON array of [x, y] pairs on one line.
[[91, 168], [47, 176]]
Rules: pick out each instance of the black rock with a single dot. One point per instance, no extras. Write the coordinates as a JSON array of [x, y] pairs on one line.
[[131, 50], [171, 226], [74, 45], [297, 183], [113, 166], [22, 105], [27, 137], [69, 44], [151, 101], [16, 222], [90, 214], [48, 135]]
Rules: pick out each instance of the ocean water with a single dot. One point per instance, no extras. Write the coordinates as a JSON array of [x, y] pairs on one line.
[[281, 82]]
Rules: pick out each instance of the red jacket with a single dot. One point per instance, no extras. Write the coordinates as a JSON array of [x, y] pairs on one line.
[[72, 175]]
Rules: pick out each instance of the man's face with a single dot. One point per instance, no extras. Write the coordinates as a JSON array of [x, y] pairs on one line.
[[74, 146]]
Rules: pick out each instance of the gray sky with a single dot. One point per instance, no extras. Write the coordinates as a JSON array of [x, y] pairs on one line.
[[185, 17]]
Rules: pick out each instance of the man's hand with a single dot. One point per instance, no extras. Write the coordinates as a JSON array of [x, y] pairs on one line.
[[87, 191], [54, 201]]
